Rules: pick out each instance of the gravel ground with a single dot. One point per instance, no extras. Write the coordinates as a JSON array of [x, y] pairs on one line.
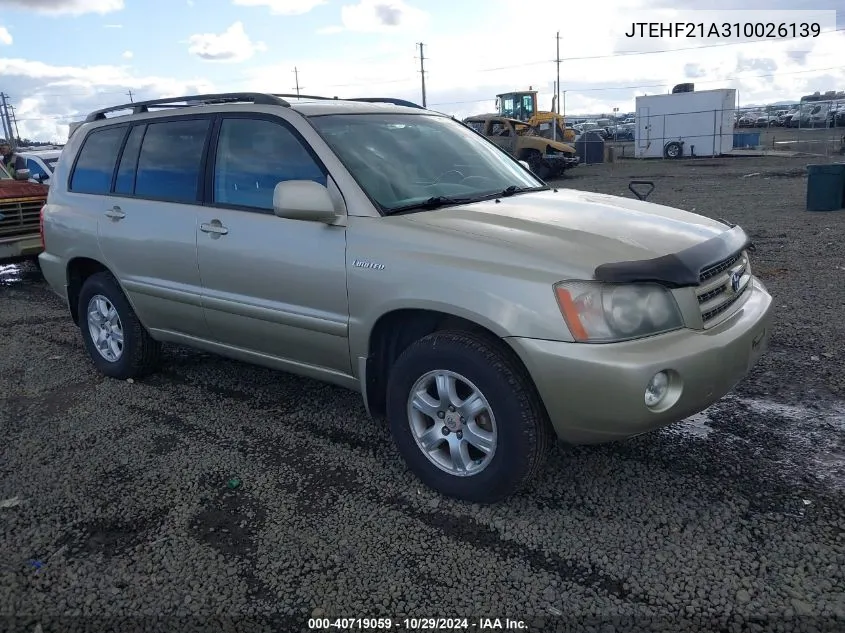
[[730, 521]]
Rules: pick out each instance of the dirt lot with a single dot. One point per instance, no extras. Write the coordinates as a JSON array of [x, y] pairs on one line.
[[731, 521]]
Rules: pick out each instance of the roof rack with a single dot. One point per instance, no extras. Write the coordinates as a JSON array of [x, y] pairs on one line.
[[399, 102], [140, 107]]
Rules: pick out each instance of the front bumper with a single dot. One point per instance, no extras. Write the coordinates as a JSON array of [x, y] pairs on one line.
[[20, 246], [595, 392], [562, 161]]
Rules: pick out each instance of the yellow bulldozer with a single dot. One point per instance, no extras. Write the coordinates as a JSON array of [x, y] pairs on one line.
[[523, 107]]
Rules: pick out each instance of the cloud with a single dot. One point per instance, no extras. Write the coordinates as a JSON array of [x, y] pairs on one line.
[[5, 36], [112, 26], [232, 45], [282, 7], [694, 71], [379, 16], [66, 7], [57, 95], [465, 70], [128, 55]]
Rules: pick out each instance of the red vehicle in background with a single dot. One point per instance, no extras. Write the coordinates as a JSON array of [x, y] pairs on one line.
[[20, 216]]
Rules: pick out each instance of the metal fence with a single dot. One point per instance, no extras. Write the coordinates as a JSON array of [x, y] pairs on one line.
[[709, 133]]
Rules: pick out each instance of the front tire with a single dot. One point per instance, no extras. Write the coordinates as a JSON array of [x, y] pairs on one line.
[[119, 345], [538, 165], [466, 418]]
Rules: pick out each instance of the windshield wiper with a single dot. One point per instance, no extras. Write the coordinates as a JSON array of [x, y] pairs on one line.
[[435, 202], [509, 191]]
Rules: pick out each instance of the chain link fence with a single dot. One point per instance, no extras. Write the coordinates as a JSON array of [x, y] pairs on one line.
[[815, 130]]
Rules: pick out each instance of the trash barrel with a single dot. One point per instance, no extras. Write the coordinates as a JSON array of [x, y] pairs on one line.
[[826, 187], [590, 147]]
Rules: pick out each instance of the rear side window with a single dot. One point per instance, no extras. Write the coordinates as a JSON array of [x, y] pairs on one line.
[[95, 165], [170, 160], [125, 182]]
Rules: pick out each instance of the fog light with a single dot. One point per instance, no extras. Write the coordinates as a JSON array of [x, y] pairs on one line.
[[656, 389]]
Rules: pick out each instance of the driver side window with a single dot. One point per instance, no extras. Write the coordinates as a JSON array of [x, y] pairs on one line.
[[253, 156]]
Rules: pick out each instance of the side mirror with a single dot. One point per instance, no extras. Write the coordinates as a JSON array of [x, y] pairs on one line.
[[525, 164], [22, 174], [304, 200]]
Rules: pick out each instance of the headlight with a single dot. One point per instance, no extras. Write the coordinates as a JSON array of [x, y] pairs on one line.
[[604, 313]]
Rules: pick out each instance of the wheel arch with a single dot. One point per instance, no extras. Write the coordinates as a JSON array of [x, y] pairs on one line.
[[79, 269], [395, 330]]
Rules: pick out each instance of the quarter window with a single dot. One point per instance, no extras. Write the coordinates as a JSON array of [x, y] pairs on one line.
[[253, 156], [95, 165], [170, 160]]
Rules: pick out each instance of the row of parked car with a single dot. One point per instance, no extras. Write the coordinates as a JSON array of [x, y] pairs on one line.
[[818, 115]]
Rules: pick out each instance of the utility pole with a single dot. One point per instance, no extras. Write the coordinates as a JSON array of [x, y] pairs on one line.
[[15, 123], [557, 85], [131, 96], [7, 122], [296, 75], [422, 71], [7, 135]]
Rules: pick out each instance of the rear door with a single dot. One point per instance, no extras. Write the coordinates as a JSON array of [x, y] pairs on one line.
[[271, 285], [146, 203]]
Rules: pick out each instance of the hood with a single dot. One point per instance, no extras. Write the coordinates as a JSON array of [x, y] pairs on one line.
[[561, 147], [578, 229]]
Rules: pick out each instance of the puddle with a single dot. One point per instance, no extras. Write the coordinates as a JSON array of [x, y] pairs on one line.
[[9, 274], [697, 426], [14, 274], [810, 439]]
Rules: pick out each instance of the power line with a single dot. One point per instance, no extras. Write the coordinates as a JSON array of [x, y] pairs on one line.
[[710, 81], [497, 68]]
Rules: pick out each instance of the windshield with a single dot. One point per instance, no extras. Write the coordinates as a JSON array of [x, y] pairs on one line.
[[405, 159], [51, 163]]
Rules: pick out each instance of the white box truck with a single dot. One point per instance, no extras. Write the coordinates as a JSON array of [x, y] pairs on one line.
[[685, 124]]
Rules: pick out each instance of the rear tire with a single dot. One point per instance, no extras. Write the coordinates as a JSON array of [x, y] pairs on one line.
[[673, 150], [123, 347], [521, 435]]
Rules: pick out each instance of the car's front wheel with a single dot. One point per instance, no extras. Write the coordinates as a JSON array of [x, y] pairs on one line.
[[117, 342], [466, 417]]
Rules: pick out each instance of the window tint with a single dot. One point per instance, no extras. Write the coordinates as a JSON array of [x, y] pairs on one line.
[[253, 156], [126, 172], [95, 165], [169, 163]]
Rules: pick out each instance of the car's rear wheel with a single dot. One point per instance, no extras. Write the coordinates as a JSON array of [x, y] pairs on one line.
[[466, 418], [117, 342]]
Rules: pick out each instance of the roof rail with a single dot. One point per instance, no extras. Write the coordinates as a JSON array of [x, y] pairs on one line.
[[139, 107], [399, 102]]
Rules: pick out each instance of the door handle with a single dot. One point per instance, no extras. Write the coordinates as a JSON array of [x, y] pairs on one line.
[[214, 227], [115, 213]]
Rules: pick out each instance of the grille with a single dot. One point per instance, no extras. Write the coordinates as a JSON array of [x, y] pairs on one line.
[[20, 217], [716, 293]]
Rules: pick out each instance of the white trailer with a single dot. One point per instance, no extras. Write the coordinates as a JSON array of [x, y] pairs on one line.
[[685, 124]]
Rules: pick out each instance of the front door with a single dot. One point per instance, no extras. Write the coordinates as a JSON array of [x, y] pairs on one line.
[[147, 215], [271, 285], [501, 132]]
